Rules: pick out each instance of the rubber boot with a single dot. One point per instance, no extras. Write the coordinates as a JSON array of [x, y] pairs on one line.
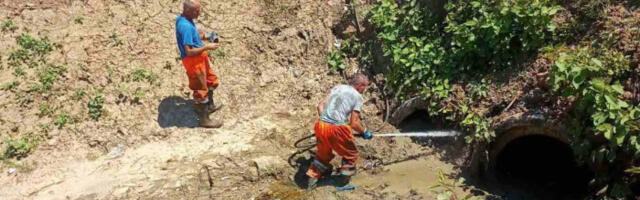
[[211, 105], [203, 115], [312, 183]]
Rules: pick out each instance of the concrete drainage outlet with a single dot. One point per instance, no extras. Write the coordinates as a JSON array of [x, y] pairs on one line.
[[533, 160]]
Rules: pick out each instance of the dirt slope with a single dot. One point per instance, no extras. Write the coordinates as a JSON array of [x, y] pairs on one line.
[[271, 79]]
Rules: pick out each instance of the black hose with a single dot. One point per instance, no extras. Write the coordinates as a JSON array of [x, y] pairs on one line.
[[310, 144], [301, 149]]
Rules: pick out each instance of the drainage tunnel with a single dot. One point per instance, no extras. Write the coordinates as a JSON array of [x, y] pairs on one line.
[[541, 167]]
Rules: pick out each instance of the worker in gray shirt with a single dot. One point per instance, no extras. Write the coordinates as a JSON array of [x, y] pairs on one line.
[[334, 131]]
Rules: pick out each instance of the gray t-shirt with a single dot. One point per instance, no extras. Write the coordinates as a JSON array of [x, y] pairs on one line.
[[343, 99]]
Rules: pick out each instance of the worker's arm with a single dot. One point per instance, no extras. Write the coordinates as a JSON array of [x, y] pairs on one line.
[[202, 35], [355, 122], [320, 106], [193, 51]]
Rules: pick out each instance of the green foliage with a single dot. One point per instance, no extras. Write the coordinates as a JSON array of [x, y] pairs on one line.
[[445, 189], [18, 148], [143, 75], [8, 25], [479, 90], [592, 78], [137, 95], [31, 52], [61, 120], [346, 49], [475, 37], [45, 110], [47, 77], [95, 107], [335, 59], [592, 9], [494, 33], [19, 71], [78, 94], [10, 85]]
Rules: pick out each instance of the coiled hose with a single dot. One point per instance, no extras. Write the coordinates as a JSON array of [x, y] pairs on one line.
[[302, 147]]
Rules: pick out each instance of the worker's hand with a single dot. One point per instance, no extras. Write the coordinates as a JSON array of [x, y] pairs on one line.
[[212, 46], [367, 135]]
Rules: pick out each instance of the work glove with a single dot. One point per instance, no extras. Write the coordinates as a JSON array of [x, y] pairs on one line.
[[367, 135]]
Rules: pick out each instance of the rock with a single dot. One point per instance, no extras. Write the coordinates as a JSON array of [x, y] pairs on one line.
[[121, 191], [52, 142], [304, 35], [297, 73], [349, 31], [265, 165], [116, 152]]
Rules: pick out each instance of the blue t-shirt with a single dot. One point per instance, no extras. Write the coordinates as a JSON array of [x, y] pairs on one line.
[[187, 34]]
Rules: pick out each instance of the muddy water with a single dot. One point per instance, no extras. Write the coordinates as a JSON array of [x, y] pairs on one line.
[[404, 178], [413, 177]]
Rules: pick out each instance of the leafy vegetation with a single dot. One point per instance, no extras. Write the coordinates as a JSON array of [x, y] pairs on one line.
[[445, 189], [62, 119], [144, 75], [475, 37], [8, 25], [78, 94], [48, 75], [591, 78], [10, 85], [95, 107], [31, 52], [45, 110], [18, 148], [446, 59]]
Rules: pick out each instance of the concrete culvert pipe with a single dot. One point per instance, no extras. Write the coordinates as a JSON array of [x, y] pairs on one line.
[[534, 161]]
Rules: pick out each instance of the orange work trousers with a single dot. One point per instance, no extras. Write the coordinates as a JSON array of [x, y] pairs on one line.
[[200, 74], [330, 138]]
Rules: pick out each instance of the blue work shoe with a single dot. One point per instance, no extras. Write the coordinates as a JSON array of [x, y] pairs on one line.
[[312, 183]]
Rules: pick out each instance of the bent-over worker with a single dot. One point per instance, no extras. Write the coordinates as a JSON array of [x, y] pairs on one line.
[[334, 131]]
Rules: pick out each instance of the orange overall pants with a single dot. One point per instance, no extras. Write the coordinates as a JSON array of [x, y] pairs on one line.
[[333, 138], [200, 74]]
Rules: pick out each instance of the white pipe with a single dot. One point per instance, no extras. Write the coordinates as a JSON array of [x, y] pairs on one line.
[[421, 134]]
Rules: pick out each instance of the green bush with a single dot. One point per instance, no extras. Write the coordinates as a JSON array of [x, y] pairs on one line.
[[592, 78], [474, 38]]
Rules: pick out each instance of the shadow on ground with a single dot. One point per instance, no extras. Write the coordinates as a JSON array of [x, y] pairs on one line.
[[301, 179], [175, 111]]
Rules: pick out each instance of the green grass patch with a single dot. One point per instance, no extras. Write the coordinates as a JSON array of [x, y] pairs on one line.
[[10, 85], [143, 75], [8, 25]]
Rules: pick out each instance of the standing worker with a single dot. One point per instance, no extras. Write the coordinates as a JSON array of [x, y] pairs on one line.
[[339, 118], [196, 62]]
